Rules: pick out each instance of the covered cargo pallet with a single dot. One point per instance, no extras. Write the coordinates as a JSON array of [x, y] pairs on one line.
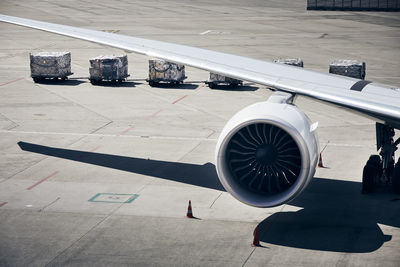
[[217, 79], [51, 65], [346, 67], [164, 71], [298, 62], [109, 68], [356, 5]]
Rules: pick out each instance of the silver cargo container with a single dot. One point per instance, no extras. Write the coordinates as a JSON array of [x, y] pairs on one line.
[[109, 68], [350, 68], [298, 62], [164, 71], [50, 65], [217, 79]]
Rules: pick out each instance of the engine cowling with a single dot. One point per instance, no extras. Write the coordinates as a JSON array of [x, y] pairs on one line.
[[267, 153]]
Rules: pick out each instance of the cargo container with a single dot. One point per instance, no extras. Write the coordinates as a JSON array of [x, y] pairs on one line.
[[217, 79], [350, 68], [108, 68], [50, 65], [164, 71], [298, 62]]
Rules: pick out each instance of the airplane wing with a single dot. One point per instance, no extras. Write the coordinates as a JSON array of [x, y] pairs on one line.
[[379, 102]]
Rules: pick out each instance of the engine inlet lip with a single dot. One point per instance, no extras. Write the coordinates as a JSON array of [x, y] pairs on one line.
[[244, 195]]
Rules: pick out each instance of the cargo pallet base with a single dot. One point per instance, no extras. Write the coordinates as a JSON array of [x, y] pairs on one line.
[[214, 84], [98, 81], [216, 80], [39, 79], [155, 83]]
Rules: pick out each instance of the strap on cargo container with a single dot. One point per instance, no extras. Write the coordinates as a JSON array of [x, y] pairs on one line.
[[162, 70], [178, 68]]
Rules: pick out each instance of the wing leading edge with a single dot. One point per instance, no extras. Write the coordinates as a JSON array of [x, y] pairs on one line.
[[380, 102]]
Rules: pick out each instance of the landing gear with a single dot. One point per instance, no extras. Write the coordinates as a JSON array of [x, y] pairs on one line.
[[380, 169], [371, 173], [396, 178]]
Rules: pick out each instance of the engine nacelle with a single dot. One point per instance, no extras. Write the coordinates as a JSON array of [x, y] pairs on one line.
[[267, 153]]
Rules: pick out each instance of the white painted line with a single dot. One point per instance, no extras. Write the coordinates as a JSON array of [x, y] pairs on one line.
[[351, 145], [113, 135], [161, 137], [203, 33]]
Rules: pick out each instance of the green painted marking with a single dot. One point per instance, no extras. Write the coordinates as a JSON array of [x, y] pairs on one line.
[[114, 198], [93, 198], [135, 196]]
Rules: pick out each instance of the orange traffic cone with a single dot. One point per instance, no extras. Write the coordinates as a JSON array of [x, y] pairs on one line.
[[189, 213], [320, 164], [256, 239]]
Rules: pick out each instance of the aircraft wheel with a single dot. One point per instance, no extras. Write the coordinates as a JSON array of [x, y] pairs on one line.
[[93, 81], [396, 179], [369, 176], [153, 83], [390, 170], [377, 162]]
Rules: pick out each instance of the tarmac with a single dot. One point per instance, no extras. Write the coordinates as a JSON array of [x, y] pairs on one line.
[[102, 175]]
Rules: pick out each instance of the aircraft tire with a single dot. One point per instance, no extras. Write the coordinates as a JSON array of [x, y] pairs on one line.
[[153, 83], [396, 179], [369, 176], [37, 80], [377, 162]]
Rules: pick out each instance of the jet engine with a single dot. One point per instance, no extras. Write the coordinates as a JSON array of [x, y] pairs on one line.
[[267, 153]]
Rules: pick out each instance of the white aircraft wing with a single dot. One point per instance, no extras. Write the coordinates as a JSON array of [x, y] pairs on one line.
[[377, 101]]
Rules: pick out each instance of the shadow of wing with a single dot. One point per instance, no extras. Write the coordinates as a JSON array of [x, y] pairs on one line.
[[199, 175]]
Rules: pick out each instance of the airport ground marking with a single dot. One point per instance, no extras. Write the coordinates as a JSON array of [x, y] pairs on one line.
[[148, 117], [2, 204], [113, 135], [16, 80], [127, 130], [113, 198], [51, 203], [41, 181], [155, 114], [176, 101], [94, 149], [160, 137], [205, 32]]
